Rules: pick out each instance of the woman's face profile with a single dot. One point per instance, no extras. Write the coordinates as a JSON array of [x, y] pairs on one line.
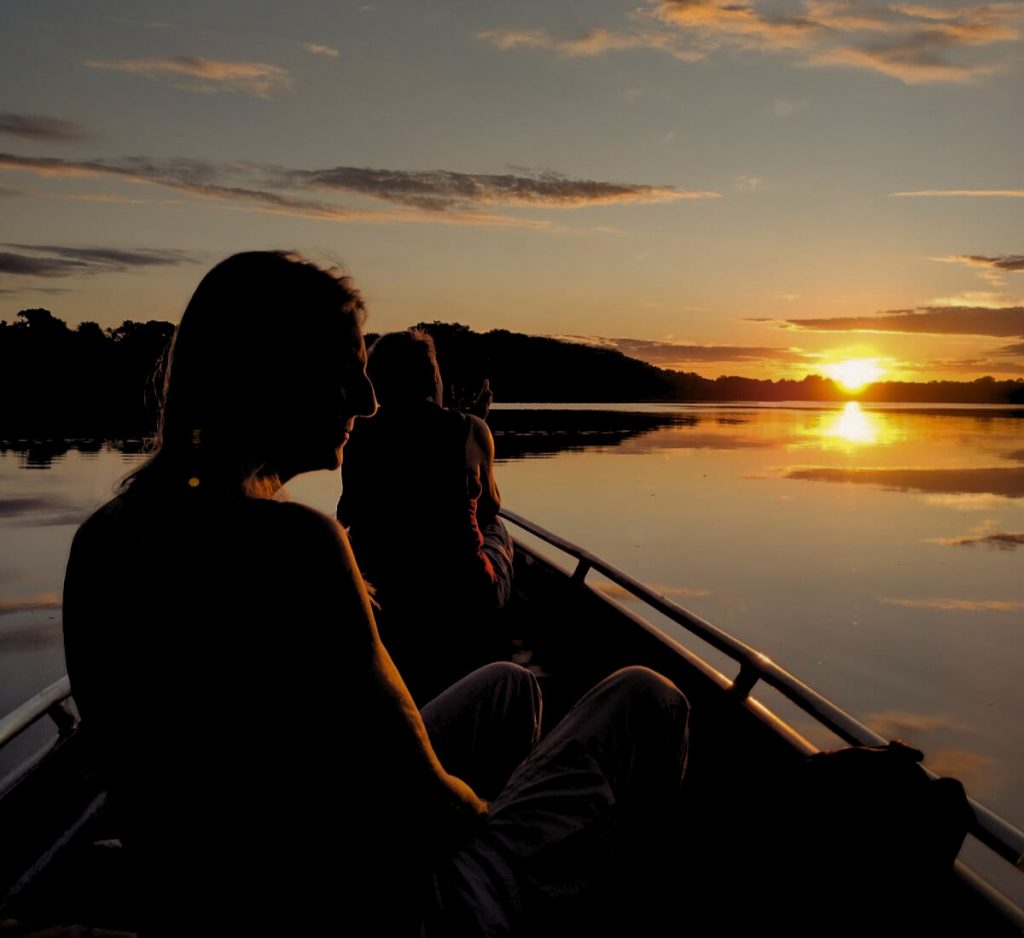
[[336, 396]]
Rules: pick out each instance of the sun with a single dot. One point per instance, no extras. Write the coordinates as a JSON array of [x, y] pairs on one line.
[[854, 373]]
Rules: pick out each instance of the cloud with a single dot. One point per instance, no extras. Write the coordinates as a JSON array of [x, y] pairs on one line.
[[667, 354], [35, 127], [960, 193], [957, 605], [424, 196], [1003, 262], [1004, 482], [441, 190], [595, 42], [108, 197], [204, 76], [314, 48], [966, 366], [915, 44], [999, 540], [993, 268], [63, 261], [747, 183], [929, 320]]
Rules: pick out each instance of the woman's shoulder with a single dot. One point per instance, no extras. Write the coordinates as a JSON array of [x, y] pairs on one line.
[[295, 520]]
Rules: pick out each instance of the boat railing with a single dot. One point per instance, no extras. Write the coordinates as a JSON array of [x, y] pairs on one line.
[[996, 833], [53, 702]]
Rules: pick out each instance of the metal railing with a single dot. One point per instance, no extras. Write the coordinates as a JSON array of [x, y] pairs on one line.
[[52, 702], [996, 833]]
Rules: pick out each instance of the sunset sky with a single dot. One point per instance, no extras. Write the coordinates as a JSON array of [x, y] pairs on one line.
[[759, 188]]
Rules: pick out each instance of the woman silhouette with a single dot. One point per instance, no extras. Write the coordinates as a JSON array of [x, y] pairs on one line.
[[270, 770]]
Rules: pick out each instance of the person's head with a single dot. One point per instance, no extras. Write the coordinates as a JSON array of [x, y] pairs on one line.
[[266, 373], [403, 368]]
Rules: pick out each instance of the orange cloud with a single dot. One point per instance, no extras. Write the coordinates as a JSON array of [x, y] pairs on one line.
[[930, 320], [205, 76], [916, 44], [595, 42], [314, 48]]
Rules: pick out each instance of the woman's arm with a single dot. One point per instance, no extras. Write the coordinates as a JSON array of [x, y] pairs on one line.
[[480, 465], [332, 579]]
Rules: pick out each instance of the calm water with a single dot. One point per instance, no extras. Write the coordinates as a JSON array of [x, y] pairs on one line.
[[876, 554]]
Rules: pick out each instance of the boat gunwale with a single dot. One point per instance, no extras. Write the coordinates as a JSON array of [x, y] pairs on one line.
[[995, 832]]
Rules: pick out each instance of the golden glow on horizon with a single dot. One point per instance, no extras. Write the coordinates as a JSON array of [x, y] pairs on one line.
[[855, 373]]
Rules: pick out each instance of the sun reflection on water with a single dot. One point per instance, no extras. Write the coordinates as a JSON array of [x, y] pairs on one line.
[[849, 429], [853, 425]]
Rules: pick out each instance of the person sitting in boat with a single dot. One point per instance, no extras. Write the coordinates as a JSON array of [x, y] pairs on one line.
[[270, 769], [418, 474]]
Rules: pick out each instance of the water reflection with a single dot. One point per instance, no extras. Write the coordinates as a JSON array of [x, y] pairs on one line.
[[853, 425], [700, 502], [984, 480], [43, 454], [520, 434]]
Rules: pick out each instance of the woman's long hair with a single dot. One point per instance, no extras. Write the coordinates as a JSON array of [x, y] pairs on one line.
[[254, 344]]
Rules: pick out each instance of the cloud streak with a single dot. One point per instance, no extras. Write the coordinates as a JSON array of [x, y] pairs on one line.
[[440, 190], [929, 320], [960, 194], [60, 260], [203, 76], [315, 48], [993, 268], [593, 43], [916, 44], [36, 127], [422, 196], [668, 354], [1000, 262]]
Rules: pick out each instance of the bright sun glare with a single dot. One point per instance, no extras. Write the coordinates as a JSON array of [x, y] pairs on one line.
[[855, 373]]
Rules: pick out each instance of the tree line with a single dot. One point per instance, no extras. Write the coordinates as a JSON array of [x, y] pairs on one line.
[[56, 381]]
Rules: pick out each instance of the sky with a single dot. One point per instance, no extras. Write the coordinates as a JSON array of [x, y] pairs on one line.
[[758, 188]]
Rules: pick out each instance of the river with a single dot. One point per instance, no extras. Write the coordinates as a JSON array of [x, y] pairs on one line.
[[875, 552]]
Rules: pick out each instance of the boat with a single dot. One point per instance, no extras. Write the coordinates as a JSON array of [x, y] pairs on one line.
[[61, 860]]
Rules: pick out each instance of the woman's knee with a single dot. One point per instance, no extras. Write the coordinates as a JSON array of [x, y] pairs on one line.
[[644, 687]]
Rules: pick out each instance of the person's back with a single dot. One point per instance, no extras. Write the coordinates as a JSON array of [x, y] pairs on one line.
[[419, 500], [205, 651], [406, 503]]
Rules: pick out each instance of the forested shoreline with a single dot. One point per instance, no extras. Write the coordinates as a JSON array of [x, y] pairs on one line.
[[59, 381]]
